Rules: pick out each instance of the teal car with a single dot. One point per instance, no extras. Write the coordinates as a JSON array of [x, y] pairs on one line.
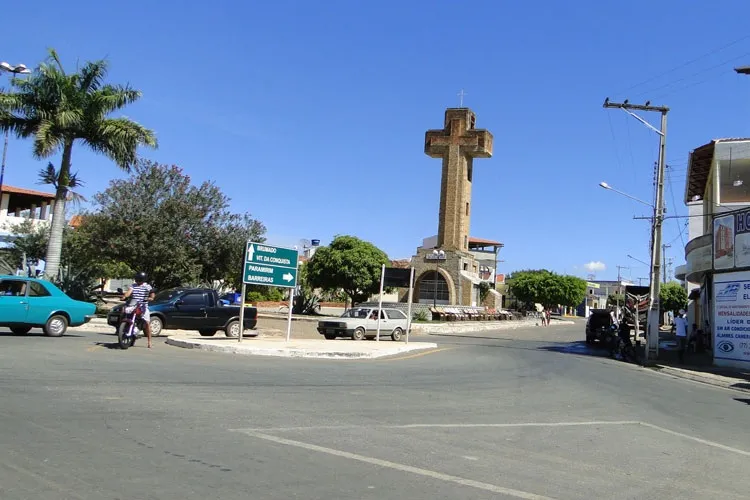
[[27, 303]]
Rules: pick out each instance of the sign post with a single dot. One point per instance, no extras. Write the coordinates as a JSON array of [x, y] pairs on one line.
[[408, 307], [269, 265], [380, 301]]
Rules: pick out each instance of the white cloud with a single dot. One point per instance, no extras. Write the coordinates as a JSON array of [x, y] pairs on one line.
[[595, 266]]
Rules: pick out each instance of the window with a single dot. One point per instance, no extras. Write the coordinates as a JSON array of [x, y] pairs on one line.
[[395, 314], [466, 242], [36, 289], [433, 287], [467, 208], [734, 173], [193, 299], [13, 288], [466, 266]]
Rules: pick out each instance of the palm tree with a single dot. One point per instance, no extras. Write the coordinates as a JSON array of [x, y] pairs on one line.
[[56, 110]]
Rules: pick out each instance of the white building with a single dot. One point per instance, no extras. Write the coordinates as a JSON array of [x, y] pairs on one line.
[[18, 205], [717, 268]]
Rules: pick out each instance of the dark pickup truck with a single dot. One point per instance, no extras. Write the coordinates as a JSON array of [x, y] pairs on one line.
[[192, 309]]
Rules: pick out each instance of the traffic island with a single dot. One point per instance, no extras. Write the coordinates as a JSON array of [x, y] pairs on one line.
[[302, 348]]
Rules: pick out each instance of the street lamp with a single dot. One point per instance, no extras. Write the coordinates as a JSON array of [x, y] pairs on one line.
[[742, 70], [610, 188], [19, 69], [638, 260], [438, 255]]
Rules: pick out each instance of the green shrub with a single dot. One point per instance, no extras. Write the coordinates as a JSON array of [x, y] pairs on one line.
[[271, 294], [420, 315]]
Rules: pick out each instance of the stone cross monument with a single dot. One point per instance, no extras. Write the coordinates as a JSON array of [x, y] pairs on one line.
[[457, 143]]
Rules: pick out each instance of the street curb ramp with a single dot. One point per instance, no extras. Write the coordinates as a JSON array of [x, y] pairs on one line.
[[292, 352]]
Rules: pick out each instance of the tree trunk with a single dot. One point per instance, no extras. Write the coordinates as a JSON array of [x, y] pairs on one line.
[[54, 247]]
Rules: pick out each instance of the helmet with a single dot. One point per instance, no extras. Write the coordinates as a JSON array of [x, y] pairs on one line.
[[140, 277]]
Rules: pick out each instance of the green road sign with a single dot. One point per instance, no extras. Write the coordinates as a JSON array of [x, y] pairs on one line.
[[269, 265], [260, 274]]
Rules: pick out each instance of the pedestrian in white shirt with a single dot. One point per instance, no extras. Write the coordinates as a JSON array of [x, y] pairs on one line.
[[681, 329]]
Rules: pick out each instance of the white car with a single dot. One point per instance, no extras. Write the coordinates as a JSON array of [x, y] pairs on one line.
[[360, 322]]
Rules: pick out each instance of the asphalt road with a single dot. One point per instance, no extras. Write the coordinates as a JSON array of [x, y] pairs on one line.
[[521, 414]]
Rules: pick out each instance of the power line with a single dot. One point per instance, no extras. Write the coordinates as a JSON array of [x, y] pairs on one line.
[[691, 61], [693, 75]]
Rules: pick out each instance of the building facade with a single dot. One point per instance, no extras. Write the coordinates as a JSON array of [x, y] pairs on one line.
[[717, 256], [17, 206]]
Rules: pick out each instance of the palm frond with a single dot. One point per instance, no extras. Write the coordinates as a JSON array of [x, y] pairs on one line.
[[119, 139], [113, 97], [56, 59], [46, 141], [48, 175], [92, 75], [69, 118]]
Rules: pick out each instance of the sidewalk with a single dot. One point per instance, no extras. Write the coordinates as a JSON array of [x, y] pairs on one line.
[[698, 366], [300, 348]]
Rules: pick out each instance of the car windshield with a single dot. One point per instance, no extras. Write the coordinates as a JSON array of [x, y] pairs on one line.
[[356, 313], [166, 295]]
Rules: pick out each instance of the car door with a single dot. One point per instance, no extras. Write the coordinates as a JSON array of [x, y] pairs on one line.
[[190, 311], [397, 319], [14, 305], [40, 302]]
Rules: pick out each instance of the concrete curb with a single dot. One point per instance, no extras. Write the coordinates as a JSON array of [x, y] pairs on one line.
[[466, 327], [298, 352], [734, 384]]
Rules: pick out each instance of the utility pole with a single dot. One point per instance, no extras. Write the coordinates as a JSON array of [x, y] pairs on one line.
[[664, 259], [619, 286], [652, 335]]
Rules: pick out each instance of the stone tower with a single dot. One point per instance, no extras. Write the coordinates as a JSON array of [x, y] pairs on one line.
[[457, 143]]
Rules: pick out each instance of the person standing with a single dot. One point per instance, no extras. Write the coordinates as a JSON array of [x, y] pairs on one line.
[[681, 330]]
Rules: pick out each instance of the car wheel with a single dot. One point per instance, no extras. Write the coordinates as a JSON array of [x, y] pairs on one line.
[[207, 333], [56, 326], [330, 336], [358, 334], [233, 329], [396, 335], [156, 325], [20, 330]]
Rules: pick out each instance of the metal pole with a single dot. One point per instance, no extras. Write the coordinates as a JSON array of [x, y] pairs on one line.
[[242, 310], [652, 347], [291, 304], [408, 307], [380, 302], [664, 260], [243, 290], [434, 296], [2, 167]]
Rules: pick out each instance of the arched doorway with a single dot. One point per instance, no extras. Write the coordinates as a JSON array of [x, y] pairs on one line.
[[432, 288]]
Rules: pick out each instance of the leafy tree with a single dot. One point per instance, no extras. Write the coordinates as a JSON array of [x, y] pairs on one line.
[[672, 297], [57, 109], [157, 222], [484, 290], [616, 298], [547, 288], [349, 264]]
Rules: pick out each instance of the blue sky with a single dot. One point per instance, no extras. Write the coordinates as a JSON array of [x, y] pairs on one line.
[[311, 115]]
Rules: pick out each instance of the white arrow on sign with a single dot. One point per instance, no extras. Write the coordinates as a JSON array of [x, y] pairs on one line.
[[288, 277], [250, 252]]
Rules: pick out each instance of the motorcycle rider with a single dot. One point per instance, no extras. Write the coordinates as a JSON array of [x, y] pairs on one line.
[[143, 293]]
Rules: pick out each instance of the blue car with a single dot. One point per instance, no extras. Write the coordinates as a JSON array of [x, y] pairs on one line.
[[27, 303]]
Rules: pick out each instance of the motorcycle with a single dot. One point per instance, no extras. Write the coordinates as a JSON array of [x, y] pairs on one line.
[[131, 324], [622, 349]]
